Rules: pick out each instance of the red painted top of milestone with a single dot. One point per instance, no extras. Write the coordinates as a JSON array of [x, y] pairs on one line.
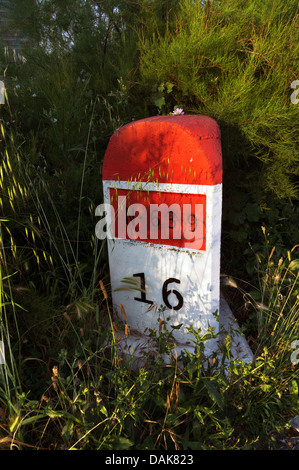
[[166, 149]]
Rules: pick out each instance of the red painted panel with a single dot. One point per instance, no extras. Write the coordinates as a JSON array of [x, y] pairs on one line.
[[184, 226]]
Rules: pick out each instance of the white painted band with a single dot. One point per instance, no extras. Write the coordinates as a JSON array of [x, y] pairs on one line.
[[163, 187]]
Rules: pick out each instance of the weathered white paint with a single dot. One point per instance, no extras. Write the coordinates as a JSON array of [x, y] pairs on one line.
[[134, 346]]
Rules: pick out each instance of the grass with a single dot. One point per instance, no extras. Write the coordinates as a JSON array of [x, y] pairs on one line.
[[65, 384]]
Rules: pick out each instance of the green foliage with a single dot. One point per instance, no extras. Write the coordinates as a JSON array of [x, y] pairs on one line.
[[95, 401], [66, 99], [235, 61]]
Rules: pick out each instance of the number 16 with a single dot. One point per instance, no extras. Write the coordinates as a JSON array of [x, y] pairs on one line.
[[165, 292]]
